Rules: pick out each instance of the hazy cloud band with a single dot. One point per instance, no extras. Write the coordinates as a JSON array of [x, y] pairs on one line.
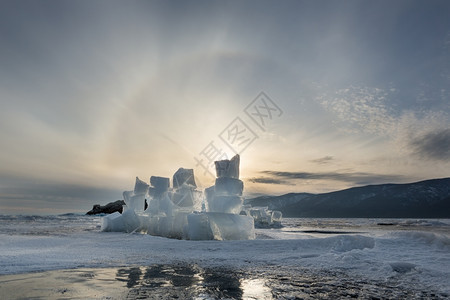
[[280, 177]]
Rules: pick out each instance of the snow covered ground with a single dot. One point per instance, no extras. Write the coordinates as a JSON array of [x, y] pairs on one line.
[[407, 253]]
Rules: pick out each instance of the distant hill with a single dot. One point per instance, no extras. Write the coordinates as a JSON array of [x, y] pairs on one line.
[[424, 199]]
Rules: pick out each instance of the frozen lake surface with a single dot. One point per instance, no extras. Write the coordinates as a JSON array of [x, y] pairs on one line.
[[307, 258]]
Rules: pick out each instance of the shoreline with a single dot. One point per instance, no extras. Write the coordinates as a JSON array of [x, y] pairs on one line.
[[189, 281]]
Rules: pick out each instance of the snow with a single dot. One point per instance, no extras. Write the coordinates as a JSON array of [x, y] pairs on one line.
[[408, 255]]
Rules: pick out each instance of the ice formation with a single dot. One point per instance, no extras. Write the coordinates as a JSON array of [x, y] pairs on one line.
[[181, 212], [264, 218]]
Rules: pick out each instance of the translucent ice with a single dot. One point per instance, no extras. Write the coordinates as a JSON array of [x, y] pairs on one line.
[[136, 202], [175, 212], [185, 196], [131, 221], [210, 192], [140, 188], [199, 227], [228, 186], [160, 184], [113, 222], [171, 227], [231, 227], [220, 226], [127, 195], [276, 216], [225, 204], [228, 168], [264, 218], [183, 176], [166, 206], [179, 226]]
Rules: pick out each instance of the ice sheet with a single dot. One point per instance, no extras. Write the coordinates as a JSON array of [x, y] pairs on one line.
[[408, 254]]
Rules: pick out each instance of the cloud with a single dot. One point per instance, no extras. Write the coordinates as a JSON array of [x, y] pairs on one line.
[[356, 178], [359, 109], [433, 145], [267, 180], [36, 196], [415, 130], [425, 135], [322, 160]]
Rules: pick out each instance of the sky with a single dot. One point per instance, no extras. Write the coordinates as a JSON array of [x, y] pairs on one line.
[[315, 96]]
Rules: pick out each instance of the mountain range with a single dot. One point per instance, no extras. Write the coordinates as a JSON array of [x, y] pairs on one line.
[[424, 199]]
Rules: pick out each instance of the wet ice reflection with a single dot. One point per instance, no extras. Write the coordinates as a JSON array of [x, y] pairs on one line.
[[255, 289], [181, 281], [190, 281]]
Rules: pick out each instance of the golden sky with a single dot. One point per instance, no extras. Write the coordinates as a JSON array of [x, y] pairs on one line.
[[96, 93]]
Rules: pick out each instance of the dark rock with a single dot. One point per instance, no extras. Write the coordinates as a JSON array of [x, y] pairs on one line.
[[109, 208]]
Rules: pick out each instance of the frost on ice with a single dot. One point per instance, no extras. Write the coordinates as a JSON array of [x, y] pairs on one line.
[[183, 212]]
